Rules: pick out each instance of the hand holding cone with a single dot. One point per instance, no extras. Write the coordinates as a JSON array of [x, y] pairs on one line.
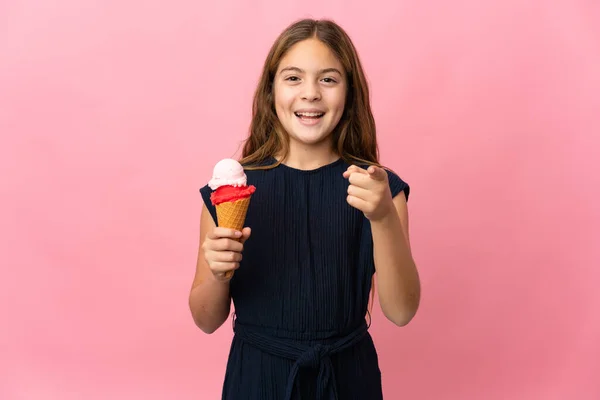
[[231, 196]]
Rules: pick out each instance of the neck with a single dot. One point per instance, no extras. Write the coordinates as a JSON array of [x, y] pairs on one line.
[[309, 157]]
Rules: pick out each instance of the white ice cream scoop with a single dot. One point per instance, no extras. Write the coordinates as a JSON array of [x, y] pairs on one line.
[[227, 172]]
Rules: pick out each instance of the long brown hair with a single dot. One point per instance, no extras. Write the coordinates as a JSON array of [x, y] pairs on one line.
[[354, 137]]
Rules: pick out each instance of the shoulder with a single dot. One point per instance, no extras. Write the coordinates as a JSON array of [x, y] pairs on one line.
[[205, 192], [259, 167], [259, 164], [397, 184], [255, 174]]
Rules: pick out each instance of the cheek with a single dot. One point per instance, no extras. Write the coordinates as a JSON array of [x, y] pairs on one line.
[[338, 100], [339, 108], [283, 99]]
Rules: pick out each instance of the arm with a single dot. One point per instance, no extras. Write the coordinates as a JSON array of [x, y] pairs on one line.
[[396, 273], [209, 298], [397, 277]]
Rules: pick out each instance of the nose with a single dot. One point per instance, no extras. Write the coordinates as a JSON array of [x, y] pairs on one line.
[[311, 91]]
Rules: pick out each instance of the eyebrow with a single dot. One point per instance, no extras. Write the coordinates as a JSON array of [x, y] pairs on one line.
[[323, 71]]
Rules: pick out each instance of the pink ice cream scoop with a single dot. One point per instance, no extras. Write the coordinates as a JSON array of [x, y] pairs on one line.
[[227, 172]]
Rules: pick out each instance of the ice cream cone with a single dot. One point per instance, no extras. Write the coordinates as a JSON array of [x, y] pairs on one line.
[[232, 214], [231, 195]]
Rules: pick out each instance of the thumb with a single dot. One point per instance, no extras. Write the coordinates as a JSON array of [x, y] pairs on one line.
[[377, 173], [245, 234]]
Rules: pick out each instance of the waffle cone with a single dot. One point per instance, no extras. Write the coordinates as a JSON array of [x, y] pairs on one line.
[[232, 214]]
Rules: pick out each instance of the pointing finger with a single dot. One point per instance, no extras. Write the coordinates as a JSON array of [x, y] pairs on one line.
[[354, 169], [377, 173]]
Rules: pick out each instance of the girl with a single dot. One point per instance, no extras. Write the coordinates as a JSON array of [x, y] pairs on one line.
[[324, 218]]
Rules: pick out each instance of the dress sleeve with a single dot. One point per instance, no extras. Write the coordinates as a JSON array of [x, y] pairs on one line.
[[397, 185], [206, 192]]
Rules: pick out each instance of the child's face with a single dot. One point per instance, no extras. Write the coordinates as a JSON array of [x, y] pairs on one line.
[[310, 92]]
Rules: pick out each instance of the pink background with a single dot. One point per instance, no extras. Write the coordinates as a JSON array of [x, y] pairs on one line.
[[112, 114]]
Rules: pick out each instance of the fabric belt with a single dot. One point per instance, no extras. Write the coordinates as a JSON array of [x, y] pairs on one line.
[[317, 356]]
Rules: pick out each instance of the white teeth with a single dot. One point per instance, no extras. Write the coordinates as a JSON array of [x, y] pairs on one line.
[[309, 114]]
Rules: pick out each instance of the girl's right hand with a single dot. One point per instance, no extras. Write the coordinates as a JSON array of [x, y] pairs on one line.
[[223, 251]]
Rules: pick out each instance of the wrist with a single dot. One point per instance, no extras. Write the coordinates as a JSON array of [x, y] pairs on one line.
[[218, 279], [387, 215]]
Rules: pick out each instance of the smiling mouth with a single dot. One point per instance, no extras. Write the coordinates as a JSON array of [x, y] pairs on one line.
[[309, 115]]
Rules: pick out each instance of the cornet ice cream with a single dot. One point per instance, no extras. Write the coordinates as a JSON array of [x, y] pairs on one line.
[[231, 194]]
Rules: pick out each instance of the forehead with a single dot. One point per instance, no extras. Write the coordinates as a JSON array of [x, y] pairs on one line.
[[310, 55]]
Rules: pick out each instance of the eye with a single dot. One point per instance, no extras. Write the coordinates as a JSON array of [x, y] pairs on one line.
[[329, 80], [292, 78]]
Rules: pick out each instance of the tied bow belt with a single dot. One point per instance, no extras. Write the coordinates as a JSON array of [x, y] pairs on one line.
[[317, 356]]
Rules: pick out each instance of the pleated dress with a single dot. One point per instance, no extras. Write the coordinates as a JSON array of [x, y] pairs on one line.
[[302, 290]]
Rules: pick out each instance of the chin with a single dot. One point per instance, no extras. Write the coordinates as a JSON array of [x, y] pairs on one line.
[[309, 140], [310, 136]]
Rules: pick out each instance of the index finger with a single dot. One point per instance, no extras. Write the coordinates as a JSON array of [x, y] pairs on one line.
[[377, 172], [354, 169], [220, 232]]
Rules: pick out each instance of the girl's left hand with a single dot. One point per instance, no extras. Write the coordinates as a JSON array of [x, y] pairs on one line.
[[369, 191]]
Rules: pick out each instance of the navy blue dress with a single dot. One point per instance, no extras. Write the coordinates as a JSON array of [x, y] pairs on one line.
[[301, 292]]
